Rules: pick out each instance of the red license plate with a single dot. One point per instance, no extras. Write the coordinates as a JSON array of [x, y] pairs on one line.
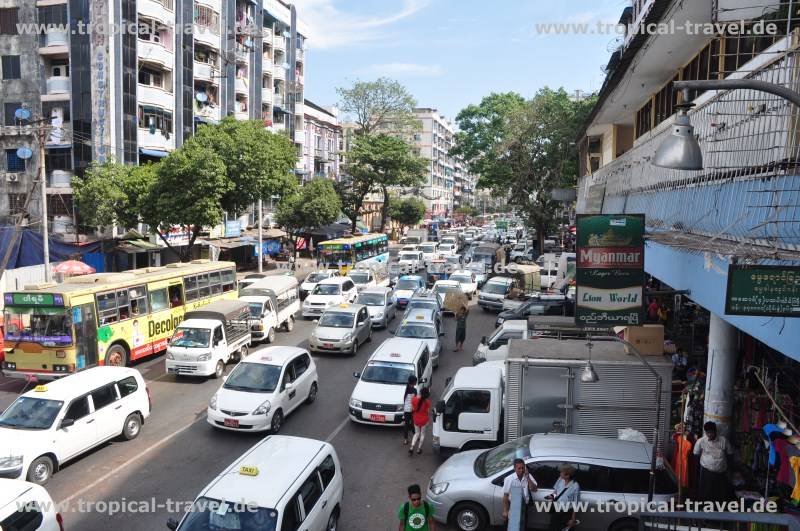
[[377, 418], [231, 423]]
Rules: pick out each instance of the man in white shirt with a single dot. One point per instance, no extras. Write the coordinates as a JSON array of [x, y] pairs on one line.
[[519, 479], [714, 451]]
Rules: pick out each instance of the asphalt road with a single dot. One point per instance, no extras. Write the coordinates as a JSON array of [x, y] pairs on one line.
[[178, 453]]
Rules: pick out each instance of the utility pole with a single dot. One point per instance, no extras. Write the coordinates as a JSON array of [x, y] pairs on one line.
[[43, 179], [260, 237]]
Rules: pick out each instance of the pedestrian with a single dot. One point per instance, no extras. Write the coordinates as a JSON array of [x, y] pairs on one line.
[[566, 493], [714, 451], [663, 315], [521, 479], [416, 514], [652, 311], [421, 406], [461, 328], [408, 395]]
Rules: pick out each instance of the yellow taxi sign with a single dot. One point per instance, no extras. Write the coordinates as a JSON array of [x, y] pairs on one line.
[[420, 317], [246, 470], [40, 388], [344, 306]]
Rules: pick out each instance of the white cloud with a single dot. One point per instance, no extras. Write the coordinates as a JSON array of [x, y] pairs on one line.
[[402, 69], [330, 27]]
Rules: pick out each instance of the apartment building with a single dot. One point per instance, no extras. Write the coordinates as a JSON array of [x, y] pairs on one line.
[[741, 208], [138, 92], [433, 143], [323, 142]]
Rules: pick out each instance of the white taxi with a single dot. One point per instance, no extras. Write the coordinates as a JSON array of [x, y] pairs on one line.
[[56, 422], [24, 505], [329, 293], [263, 389], [467, 281], [280, 484]]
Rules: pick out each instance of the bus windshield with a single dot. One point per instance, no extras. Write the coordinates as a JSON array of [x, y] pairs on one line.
[[50, 326], [191, 338]]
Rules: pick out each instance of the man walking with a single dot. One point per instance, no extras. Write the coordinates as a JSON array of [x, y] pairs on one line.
[[521, 479], [408, 394], [416, 514], [714, 451]]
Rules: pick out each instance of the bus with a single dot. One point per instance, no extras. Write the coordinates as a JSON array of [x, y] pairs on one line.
[[355, 252], [105, 318]]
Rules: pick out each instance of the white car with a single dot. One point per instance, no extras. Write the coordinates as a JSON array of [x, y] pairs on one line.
[[27, 506], [262, 390], [447, 249], [327, 293], [467, 281], [58, 421], [443, 287], [314, 278], [422, 323], [429, 251]]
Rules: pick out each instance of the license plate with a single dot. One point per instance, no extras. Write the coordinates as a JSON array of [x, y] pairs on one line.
[[377, 418], [327, 345], [231, 423]]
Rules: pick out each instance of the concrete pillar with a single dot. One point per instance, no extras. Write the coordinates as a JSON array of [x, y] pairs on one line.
[[723, 355]]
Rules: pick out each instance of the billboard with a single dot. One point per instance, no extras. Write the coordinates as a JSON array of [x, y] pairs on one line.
[[772, 291]]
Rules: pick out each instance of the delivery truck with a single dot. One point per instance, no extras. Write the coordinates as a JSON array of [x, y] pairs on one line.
[[540, 391]]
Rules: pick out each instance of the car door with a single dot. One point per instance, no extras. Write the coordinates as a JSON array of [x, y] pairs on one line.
[[107, 411], [82, 435], [288, 396], [302, 376], [219, 344], [312, 503], [363, 325]]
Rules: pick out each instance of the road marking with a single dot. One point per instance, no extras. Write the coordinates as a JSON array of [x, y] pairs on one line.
[[134, 459], [339, 428]]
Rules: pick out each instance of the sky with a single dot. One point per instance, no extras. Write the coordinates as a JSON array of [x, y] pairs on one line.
[[452, 53]]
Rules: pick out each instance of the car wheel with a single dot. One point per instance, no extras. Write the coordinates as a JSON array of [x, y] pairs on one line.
[[355, 348], [132, 427], [312, 393], [40, 470], [333, 522], [290, 323], [219, 370], [117, 356], [271, 335], [277, 422], [470, 517]]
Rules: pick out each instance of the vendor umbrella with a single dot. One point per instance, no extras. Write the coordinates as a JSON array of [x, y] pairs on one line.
[[73, 267]]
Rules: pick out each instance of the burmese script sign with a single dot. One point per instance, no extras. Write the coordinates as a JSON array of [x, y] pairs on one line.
[[610, 270], [763, 290]]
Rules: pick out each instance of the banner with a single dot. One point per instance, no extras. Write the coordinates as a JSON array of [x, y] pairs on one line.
[[610, 270], [763, 290]]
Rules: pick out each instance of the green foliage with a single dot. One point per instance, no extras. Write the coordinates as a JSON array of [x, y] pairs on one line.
[[380, 105], [352, 193], [408, 211], [467, 210], [313, 205]]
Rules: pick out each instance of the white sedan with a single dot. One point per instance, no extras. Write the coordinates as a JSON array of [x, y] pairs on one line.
[[467, 281], [263, 389]]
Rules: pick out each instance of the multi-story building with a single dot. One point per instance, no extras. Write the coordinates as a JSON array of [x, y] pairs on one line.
[[463, 185], [433, 143], [137, 92], [741, 208], [323, 141]]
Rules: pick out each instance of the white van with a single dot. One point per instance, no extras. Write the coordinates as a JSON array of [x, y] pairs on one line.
[[327, 293], [27, 506], [273, 304], [60, 420], [411, 261], [282, 484]]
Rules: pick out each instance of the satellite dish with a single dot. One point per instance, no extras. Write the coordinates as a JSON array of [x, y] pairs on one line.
[[22, 114], [202, 97], [24, 153]]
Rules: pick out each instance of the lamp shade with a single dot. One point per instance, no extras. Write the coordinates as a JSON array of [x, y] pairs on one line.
[[588, 374], [680, 150]]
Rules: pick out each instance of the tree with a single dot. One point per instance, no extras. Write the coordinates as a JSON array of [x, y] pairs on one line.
[[352, 192], [313, 205], [408, 211], [188, 193], [381, 161], [380, 105], [466, 210], [257, 162]]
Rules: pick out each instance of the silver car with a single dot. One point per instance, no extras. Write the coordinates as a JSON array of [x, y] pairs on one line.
[[422, 324], [427, 300], [380, 305], [342, 328], [467, 489]]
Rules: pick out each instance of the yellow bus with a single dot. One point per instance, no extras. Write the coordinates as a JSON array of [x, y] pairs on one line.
[[362, 251], [105, 318]]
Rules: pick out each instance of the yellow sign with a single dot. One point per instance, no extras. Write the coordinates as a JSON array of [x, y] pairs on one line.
[[40, 388], [248, 470]]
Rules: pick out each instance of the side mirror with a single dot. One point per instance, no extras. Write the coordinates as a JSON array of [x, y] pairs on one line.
[[172, 524], [423, 381], [440, 407], [66, 423], [483, 340], [225, 378], [356, 375]]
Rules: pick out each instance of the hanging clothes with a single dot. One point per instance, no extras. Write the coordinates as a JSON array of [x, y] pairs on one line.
[[794, 462], [784, 471], [680, 460]]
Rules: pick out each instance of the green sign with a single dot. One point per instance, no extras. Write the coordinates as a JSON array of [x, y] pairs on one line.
[[763, 290], [609, 270], [33, 299]]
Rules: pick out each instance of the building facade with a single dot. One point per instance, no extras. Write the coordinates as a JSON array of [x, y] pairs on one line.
[[137, 92], [433, 143], [323, 141]]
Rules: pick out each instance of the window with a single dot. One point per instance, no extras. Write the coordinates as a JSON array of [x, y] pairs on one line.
[[16, 204], [155, 117], [8, 112], [11, 68], [310, 493], [644, 119], [206, 17], [214, 283], [288, 376], [151, 78], [128, 386], [58, 159], [301, 365], [327, 471], [464, 402], [9, 17], [53, 15], [593, 477], [104, 396], [175, 295], [218, 335], [27, 518], [13, 162], [291, 515], [545, 473], [123, 304], [158, 300], [77, 409], [107, 308], [229, 280]]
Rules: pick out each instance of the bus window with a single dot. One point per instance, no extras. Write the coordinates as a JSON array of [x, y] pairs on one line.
[[138, 298], [191, 288], [107, 307], [123, 305], [202, 286], [175, 295], [158, 299], [215, 283], [228, 280]]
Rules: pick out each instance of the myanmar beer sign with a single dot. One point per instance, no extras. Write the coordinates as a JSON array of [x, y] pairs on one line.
[[610, 270]]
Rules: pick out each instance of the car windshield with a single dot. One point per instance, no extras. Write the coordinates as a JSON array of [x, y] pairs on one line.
[[494, 288], [28, 413], [326, 289], [50, 326], [463, 279], [408, 256], [370, 299], [386, 372], [208, 514], [417, 331], [428, 249], [359, 278], [407, 284], [254, 378], [255, 309], [191, 337], [337, 320], [316, 277], [502, 457]]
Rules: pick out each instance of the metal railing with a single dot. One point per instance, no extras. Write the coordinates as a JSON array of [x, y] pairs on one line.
[[694, 521]]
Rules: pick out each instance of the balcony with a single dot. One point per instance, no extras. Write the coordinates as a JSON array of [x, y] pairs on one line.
[[299, 108], [160, 10], [59, 136], [155, 96], [266, 65], [155, 53], [266, 95], [156, 141], [242, 53], [55, 42], [279, 42], [241, 86], [60, 179], [208, 36], [209, 112], [300, 55], [61, 85], [242, 115], [206, 71], [299, 134], [279, 72]]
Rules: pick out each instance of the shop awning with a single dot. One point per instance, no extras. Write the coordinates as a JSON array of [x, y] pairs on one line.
[[271, 234], [227, 244], [153, 152], [136, 246]]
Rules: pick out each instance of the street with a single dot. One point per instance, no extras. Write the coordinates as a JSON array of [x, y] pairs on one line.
[[178, 453]]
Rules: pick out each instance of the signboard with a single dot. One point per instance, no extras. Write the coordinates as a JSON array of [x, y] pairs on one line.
[[763, 290], [269, 247], [233, 229], [100, 77], [594, 199], [33, 299], [610, 270]]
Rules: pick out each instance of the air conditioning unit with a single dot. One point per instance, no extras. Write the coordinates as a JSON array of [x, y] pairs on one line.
[[12, 177]]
